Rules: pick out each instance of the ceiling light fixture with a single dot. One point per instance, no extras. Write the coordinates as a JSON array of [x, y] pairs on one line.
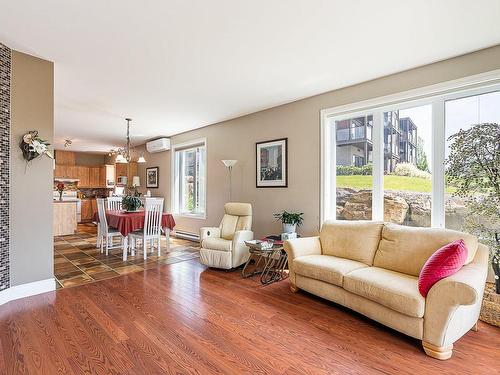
[[124, 154]]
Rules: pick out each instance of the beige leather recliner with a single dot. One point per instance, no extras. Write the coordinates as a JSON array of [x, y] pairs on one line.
[[224, 246]]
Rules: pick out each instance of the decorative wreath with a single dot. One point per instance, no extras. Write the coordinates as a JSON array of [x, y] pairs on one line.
[[33, 146]]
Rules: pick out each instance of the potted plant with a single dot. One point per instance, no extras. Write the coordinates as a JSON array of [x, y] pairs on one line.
[[131, 203], [473, 168], [290, 220]]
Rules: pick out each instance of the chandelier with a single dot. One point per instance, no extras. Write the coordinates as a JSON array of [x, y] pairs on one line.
[[123, 154]]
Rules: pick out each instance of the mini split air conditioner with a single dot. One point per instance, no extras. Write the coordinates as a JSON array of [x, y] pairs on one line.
[[158, 145]]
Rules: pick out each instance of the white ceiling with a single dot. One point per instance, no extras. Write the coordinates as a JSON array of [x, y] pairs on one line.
[[178, 65]]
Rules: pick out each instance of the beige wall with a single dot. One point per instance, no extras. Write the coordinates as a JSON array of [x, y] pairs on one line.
[[88, 159], [300, 122], [32, 104]]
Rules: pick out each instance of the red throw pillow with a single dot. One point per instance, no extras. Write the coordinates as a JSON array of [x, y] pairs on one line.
[[443, 263]]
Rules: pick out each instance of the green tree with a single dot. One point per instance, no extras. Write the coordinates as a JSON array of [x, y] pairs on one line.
[[422, 163], [473, 168]]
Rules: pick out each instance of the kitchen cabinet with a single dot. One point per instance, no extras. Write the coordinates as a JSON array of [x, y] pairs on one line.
[[65, 157], [128, 170], [65, 171], [87, 209], [93, 207], [94, 176], [102, 176], [60, 171], [83, 174], [89, 177], [64, 219]]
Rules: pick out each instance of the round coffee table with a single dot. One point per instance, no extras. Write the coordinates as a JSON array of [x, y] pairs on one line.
[[269, 263]]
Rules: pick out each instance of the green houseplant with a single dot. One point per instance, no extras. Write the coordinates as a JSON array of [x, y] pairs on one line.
[[290, 220], [131, 203], [473, 168]]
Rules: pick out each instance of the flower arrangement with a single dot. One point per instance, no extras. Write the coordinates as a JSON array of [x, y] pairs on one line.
[[33, 146], [60, 189]]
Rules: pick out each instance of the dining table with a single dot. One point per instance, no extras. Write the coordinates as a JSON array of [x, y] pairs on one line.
[[127, 222]]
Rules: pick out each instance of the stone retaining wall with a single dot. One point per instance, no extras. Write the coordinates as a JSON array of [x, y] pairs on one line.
[[401, 207]]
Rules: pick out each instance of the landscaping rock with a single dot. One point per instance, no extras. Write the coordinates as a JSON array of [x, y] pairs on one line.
[[395, 209], [358, 206]]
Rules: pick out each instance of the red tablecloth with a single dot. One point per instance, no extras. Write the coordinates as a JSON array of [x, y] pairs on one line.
[[129, 222]]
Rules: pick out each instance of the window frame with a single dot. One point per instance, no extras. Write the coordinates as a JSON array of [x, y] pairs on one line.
[[175, 178], [434, 95]]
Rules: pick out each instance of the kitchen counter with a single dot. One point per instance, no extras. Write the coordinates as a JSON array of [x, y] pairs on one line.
[[66, 201], [65, 217]]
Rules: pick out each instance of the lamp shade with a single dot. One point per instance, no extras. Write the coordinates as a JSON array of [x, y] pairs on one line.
[[229, 163], [120, 159], [141, 159], [136, 181]]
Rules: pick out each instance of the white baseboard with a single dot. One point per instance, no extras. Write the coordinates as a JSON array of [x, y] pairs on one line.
[[26, 290], [186, 235]]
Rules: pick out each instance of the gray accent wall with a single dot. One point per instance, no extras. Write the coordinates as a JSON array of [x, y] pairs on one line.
[[32, 106]]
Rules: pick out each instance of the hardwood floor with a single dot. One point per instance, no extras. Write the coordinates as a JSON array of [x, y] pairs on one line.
[[184, 318]]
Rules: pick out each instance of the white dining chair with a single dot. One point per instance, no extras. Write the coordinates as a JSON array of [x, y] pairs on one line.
[[114, 203], [107, 233], [152, 227]]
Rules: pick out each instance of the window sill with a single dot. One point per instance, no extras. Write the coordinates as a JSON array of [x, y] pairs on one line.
[[192, 216]]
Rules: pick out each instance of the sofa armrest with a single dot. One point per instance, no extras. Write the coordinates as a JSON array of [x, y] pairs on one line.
[[240, 250], [302, 246], [299, 247], [453, 304], [206, 232]]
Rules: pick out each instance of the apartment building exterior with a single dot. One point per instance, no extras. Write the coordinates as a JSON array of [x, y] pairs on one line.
[[355, 142]]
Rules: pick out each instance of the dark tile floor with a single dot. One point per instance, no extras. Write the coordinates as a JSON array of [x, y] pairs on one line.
[[77, 260]]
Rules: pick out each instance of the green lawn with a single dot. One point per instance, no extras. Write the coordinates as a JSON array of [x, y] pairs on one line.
[[391, 182]]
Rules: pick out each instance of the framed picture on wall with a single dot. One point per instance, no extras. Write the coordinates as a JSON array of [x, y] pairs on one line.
[[152, 177], [272, 163]]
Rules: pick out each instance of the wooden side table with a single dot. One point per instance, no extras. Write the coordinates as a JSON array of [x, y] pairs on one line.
[[269, 263]]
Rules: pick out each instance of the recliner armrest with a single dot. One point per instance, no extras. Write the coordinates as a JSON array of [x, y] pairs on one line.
[[206, 232], [240, 236], [240, 250]]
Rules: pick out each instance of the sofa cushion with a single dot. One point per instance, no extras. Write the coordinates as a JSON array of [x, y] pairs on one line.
[[391, 289], [355, 240], [325, 267], [406, 249], [215, 243], [443, 263]]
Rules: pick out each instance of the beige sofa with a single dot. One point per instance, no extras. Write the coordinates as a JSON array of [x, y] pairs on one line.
[[373, 268]]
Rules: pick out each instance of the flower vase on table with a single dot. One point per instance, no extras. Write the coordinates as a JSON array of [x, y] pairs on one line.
[[60, 189]]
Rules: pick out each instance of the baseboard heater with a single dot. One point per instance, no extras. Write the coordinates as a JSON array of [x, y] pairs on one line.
[[186, 235]]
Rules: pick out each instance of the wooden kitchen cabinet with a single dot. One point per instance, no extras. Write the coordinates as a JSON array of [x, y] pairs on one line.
[[102, 176], [120, 170], [93, 207], [65, 157], [94, 176], [129, 170], [65, 171], [82, 173], [86, 209], [64, 219], [60, 171]]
